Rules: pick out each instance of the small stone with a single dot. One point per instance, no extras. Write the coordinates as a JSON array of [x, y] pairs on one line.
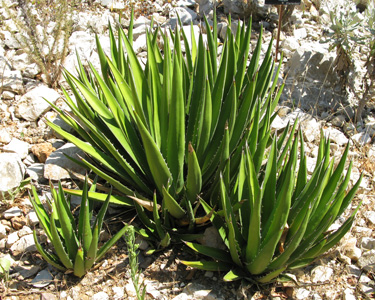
[[42, 151], [211, 238], [209, 274], [362, 230], [23, 245], [24, 231], [12, 171], [32, 218], [336, 136], [18, 222], [368, 243], [12, 213], [3, 231], [26, 271], [36, 171], [353, 270], [19, 147], [302, 294], [100, 296], [370, 216], [368, 258], [5, 137], [118, 292], [321, 274], [130, 290], [33, 104], [48, 296], [42, 279], [338, 121], [361, 139], [12, 239], [300, 33]]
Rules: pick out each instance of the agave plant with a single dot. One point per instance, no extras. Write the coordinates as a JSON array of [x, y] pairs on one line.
[[74, 240], [276, 219], [160, 133]]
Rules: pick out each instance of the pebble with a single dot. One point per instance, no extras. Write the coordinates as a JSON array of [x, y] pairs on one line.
[[42, 151], [321, 274], [19, 147], [3, 231], [12, 213], [368, 243], [32, 218], [5, 137], [367, 258], [118, 292], [353, 270], [42, 279], [12, 238], [370, 216], [24, 244], [302, 294], [100, 296]]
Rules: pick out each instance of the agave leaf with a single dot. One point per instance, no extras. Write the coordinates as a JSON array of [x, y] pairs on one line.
[[67, 228], [176, 131], [115, 199], [172, 206], [40, 212], [50, 258], [58, 245], [270, 276], [84, 227], [149, 205], [159, 169], [234, 275], [208, 265], [79, 263], [194, 176], [212, 252]]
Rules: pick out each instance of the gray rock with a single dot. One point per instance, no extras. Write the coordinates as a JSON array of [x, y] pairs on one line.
[[32, 105], [17, 146], [196, 291], [42, 279], [12, 213], [36, 171], [23, 245], [368, 243], [236, 7], [338, 121], [212, 238], [367, 258], [361, 139], [205, 7], [353, 270], [187, 16], [57, 163], [370, 216], [12, 171], [26, 271], [336, 136], [23, 63], [12, 81], [186, 3]]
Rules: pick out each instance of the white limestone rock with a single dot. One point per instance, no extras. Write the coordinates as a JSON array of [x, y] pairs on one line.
[[32, 105], [12, 171], [17, 146]]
